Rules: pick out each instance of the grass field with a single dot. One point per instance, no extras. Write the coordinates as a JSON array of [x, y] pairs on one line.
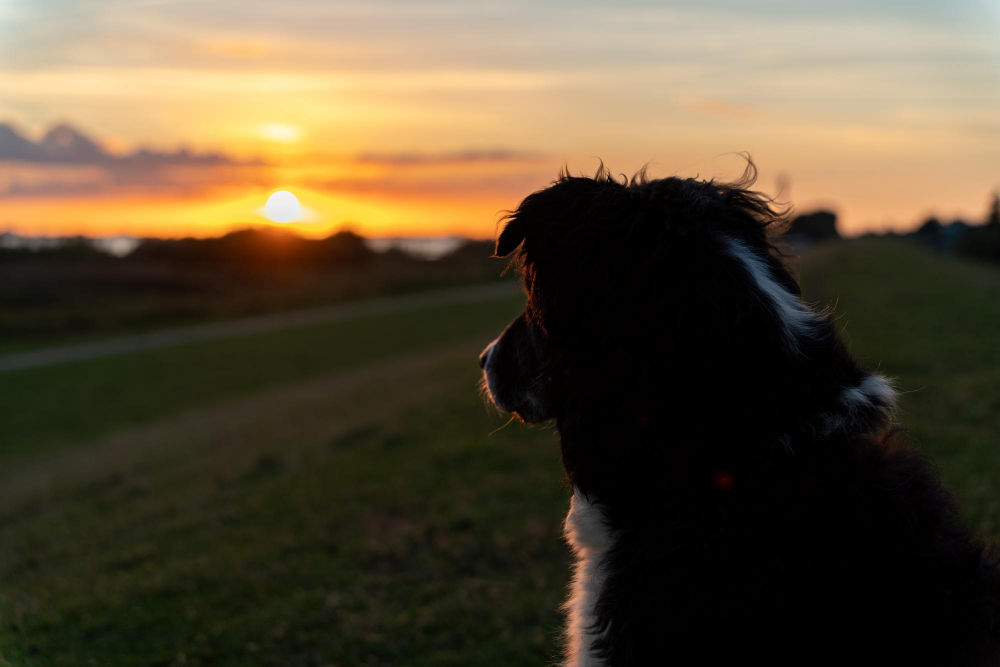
[[333, 495]]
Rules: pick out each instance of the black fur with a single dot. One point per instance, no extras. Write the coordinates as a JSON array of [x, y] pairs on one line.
[[756, 517]]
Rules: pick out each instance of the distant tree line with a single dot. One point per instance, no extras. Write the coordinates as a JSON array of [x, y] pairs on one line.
[[257, 249], [980, 240], [246, 250], [53, 288], [267, 250]]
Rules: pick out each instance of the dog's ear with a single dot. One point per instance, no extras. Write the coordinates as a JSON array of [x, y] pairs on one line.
[[548, 204], [562, 205], [511, 237]]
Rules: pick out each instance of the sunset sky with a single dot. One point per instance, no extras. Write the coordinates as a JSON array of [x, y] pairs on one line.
[[426, 118]]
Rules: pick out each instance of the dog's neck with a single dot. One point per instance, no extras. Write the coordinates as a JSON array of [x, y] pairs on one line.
[[589, 537], [863, 407], [676, 433]]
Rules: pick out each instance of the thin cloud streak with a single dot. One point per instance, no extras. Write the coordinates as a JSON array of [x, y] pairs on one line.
[[65, 162], [472, 156]]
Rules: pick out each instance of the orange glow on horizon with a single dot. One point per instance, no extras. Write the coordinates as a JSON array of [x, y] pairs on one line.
[[189, 117], [167, 217], [396, 206]]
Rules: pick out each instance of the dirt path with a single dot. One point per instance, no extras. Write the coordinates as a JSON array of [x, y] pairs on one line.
[[231, 434], [251, 325]]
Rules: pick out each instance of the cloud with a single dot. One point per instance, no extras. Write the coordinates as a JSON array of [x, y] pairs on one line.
[[477, 156], [67, 162], [453, 186], [50, 188], [64, 144], [127, 177], [454, 175]]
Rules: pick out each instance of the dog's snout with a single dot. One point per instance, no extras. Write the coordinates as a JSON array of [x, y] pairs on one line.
[[485, 355]]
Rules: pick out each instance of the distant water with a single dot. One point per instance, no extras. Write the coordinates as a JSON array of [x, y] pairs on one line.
[[119, 246], [424, 247]]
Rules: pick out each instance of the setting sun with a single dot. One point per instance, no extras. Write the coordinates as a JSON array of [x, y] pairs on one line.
[[283, 206], [281, 132]]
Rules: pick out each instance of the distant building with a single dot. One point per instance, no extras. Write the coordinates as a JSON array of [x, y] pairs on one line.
[[815, 227]]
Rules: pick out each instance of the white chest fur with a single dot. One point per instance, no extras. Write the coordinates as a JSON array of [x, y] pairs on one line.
[[590, 539]]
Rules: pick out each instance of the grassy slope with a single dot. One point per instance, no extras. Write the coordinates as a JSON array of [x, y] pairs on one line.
[[932, 323], [374, 524], [60, 405], [374, 535]]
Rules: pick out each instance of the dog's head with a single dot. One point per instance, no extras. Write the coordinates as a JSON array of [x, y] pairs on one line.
[[650, 304]]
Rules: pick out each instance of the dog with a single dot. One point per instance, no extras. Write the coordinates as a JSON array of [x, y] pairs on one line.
[[739, 494]]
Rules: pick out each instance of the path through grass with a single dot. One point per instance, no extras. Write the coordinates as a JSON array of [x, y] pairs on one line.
[[334, 496]]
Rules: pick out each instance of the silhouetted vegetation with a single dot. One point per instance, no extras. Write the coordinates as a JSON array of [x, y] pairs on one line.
[[984, 242], [258, 250], [942, 237], [980, 241], [71, 289], [976, 240], [930, 233]]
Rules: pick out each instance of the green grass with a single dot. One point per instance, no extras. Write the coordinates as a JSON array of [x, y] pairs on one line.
[[933, 323], [59, 405], [254, 509], [407, 537]]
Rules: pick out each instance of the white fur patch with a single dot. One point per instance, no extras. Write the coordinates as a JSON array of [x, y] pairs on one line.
[[590, 539], [797, 319], [873, 392]]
